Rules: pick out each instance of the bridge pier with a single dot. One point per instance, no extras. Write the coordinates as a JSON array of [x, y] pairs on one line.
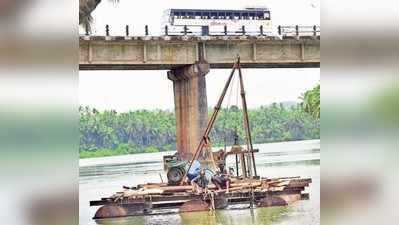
[[191, 108]]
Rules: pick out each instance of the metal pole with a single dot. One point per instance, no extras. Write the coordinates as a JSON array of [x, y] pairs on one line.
[[237, 165], [225, 30], [87, 30], [236, 143], [252, 199], [246, 120], [243, 165], [166, 30], [279, 29], [146, 30], [127, 30], [107, 30], [261, 30]]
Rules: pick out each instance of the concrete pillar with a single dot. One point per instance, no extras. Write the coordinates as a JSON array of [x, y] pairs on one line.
[[191, 106]]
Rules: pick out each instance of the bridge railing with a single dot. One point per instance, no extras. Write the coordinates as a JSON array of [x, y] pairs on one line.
[[282, 31], [298, 30]]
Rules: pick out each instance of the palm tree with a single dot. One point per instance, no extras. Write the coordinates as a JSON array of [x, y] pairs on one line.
[[86, 7], [311, 101]]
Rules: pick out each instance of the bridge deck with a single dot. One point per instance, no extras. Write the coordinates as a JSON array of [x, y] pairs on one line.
[[168, 52]]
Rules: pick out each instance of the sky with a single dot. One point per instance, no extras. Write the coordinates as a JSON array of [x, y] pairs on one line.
[[132, 90]]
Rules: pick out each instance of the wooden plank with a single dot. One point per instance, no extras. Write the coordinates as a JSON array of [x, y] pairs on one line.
[[163, 196]]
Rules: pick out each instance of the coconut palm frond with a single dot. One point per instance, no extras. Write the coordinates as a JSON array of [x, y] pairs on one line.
[[311, 101], [86, 7]]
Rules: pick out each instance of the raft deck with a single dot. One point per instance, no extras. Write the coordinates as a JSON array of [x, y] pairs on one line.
[[143, 199]]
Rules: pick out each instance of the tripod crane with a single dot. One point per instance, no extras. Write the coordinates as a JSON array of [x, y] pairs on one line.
[[205, 137]]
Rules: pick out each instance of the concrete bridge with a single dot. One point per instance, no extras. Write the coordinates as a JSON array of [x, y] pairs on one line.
[[189, 59], [168, 52]]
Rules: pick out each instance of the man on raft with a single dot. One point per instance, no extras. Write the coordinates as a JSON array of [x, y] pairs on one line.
[[221, 179], [200, 183]]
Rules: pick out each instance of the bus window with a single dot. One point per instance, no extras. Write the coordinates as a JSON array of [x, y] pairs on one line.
[[214, 15], [198, 15], [252, 16], [237, 15], [221, 15], [245, 15], [183, 15], [260, 15], [229, 15], [205, 15], [267, 15]]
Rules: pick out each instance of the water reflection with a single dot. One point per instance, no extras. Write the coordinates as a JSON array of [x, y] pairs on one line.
[[257, 216]]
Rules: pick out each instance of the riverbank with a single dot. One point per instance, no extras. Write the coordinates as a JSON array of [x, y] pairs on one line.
[[125, 150], [121, 150]]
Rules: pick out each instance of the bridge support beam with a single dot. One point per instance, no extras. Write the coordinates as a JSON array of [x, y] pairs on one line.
[[191, 106]]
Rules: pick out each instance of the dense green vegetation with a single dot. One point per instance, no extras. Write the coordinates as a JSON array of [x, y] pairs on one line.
[[110, 133], [311, 101], [271, 123]]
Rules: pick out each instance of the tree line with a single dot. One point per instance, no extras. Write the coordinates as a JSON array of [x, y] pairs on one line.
[[109, 132]]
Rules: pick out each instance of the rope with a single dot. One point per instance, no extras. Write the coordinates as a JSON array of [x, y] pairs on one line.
[[228, 108], [230, 91], [237, 93]]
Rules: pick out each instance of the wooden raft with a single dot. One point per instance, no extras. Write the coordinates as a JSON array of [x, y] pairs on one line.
[[152, 198]]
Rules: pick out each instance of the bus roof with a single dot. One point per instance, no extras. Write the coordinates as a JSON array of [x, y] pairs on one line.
[[219, 10]]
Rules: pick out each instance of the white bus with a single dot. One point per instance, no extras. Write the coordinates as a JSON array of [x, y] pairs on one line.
[[205, 22]]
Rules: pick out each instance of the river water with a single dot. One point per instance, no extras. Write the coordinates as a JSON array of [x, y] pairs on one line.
[[102, 177]]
